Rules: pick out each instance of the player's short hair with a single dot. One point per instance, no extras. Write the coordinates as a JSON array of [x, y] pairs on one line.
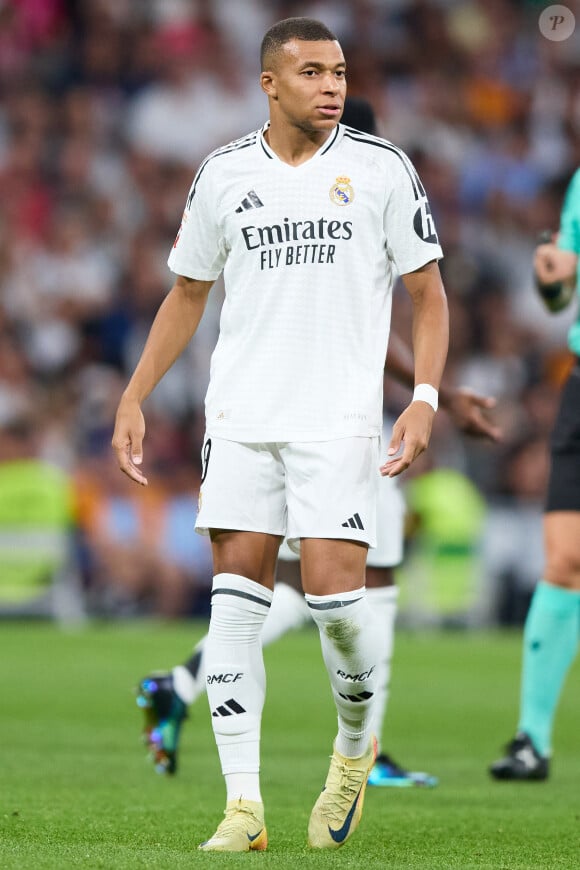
[[307, 29]]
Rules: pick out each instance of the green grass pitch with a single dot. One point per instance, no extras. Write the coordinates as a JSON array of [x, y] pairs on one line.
[[76, 790]]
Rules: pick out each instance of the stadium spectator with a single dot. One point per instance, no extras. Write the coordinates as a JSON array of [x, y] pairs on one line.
[[142, 557], [442, 576], [36, 521], [199, 79]]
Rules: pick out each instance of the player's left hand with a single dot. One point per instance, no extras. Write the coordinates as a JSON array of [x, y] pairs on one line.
[[411, 434], [466, 409]]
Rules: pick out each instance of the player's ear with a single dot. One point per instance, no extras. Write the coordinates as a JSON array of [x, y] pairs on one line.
[[268, 84]]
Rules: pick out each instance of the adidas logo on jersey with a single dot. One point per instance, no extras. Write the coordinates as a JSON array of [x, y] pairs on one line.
[[228, 708], [354, 522], [251, 200]]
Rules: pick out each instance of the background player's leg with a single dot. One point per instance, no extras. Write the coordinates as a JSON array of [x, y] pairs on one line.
[[550, 644], [289, 610], [382, 596]]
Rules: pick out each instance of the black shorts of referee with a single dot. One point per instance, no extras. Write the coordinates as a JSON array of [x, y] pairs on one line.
[[564, 481]]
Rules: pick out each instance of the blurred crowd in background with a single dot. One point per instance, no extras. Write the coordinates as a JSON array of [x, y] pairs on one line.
[[107, 108]]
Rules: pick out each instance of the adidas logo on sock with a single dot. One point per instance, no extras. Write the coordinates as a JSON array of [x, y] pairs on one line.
[[354, 522], [362, 696], [228, 708], [251, 200]]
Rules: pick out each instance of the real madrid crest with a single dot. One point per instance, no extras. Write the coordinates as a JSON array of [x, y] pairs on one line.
[[341, 192]]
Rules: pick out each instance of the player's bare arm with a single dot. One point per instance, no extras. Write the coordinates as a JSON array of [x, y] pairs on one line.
[[412, 430], [174, 325], [465, 407]]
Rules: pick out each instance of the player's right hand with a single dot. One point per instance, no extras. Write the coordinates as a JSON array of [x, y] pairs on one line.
[[128, 439]]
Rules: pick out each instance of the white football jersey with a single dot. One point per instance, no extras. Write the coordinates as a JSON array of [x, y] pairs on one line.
[[309, 255]]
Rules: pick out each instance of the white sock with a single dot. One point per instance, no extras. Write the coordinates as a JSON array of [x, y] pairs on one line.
[[189, 678], [349, 648], [289, 610], [236, 679], [184, 684], [383, 604]]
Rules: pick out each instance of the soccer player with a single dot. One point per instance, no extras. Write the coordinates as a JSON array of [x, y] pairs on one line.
[[166, 696], [552, 628], [308, 221]]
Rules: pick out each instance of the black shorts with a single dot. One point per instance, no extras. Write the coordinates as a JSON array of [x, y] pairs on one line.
[[564, 480]]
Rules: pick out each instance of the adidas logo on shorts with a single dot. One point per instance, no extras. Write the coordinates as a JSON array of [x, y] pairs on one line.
[[354, 522]]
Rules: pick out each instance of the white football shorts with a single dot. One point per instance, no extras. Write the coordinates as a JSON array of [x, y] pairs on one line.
[[317, 489], [391, 511]]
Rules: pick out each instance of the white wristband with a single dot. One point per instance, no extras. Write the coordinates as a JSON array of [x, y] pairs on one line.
[[426, 393]]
